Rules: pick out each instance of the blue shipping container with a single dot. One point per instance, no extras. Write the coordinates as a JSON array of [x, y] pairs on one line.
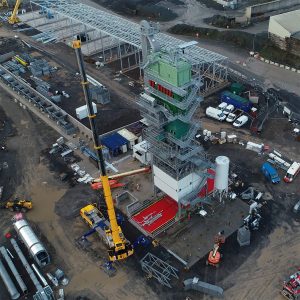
[[236, 101], [270, 173]]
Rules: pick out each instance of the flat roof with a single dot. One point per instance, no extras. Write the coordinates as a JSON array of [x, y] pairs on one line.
[[289, 20], [128, 135], [114, 141]]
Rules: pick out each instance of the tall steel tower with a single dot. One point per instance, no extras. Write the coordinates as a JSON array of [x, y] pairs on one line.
[[169, 101]]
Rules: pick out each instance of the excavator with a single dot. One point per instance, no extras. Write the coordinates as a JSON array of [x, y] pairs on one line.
[[18, 205], [13, 19], [214, 256], [119, 247], [3, 3]]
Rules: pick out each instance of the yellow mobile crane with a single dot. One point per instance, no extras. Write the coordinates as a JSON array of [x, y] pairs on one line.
[[119, 247], [13, 19]]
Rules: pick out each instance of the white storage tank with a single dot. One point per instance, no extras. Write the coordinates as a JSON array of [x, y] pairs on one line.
[[222, 173], [223, 135], [32, 243]]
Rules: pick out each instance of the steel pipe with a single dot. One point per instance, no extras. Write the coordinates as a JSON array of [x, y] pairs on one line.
[[11, 288], [14, 270]]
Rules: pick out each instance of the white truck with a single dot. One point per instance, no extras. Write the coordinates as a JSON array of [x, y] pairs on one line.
[[215, 113]]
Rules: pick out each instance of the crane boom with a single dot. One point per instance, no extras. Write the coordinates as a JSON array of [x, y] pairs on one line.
[[121, 247], [13, 19]]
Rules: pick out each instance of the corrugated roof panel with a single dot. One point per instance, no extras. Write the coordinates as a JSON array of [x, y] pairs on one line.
[[289, 21]]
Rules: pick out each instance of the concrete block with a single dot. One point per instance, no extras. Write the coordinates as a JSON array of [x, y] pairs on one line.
[[271, 62], [294, 70], [287, 68], [267, 61], [298, 71], [281, 66], [276, 64], [262, 59]]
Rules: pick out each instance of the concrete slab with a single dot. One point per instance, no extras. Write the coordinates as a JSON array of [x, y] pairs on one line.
[[193, 239]]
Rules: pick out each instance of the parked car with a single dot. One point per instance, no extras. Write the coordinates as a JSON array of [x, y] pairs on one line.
[[228, 109], [222, 106], [231, 117], [239, 122], [215, 113], [270, 173], [296, 208]]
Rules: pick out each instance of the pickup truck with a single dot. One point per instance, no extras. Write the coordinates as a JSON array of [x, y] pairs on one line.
[[270, 173]]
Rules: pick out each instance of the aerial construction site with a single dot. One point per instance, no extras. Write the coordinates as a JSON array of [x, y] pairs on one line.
[[138, 165]]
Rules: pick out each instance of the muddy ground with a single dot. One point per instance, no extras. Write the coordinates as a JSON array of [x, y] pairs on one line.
[[121, 110], [254, 272], [33, 179]]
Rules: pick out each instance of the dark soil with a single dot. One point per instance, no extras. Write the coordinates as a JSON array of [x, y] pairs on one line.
[[140, 9], [118, 113], [10, 169]]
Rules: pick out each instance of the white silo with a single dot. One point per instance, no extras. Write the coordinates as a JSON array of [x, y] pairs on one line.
[[221, 176]]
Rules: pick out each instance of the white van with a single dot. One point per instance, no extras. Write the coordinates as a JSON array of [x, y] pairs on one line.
[[229, 109], [222, 106], [215, 113]]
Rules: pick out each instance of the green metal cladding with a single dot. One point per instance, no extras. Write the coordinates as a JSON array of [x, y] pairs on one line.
[[176, 75]]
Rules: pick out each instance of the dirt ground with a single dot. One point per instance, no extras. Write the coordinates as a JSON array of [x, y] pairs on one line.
[[122, 109], [244, 273], [28, 176], [254, 272]]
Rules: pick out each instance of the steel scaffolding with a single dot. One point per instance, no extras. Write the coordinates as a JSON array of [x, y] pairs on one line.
[[117, 38], [169, 102], [155, 267]]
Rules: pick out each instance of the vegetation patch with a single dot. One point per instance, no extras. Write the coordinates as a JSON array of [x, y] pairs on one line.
[[150, 10], [222, 22]]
